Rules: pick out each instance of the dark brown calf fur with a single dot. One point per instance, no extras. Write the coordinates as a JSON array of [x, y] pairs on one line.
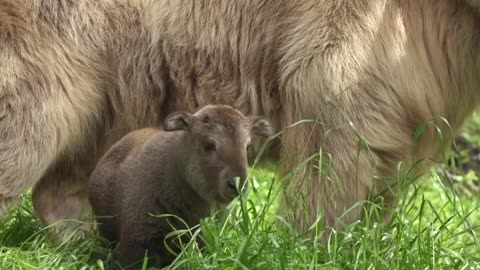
[[183, 172]]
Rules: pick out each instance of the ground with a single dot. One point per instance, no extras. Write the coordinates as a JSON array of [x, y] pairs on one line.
[[435, 226]]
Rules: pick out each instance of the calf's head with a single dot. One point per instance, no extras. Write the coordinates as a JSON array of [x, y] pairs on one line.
[[218, 137]]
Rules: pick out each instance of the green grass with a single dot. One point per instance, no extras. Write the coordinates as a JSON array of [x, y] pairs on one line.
[[434, 227]]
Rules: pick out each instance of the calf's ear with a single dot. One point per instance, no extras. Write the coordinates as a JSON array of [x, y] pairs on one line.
[[178, 121], [261, 127]]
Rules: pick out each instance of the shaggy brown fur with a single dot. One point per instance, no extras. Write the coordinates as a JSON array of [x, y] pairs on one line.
[[78, 75], [182, 172]]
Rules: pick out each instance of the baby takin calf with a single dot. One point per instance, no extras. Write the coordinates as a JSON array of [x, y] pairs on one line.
[[183, 171]]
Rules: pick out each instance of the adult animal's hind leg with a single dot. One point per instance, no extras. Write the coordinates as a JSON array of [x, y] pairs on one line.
[[61, 200], [29, 142]]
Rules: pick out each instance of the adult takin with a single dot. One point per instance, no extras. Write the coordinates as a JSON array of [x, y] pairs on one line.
[[196, 162], [78, 75]]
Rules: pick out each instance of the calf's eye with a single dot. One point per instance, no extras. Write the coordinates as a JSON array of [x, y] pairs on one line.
[[209, 146]]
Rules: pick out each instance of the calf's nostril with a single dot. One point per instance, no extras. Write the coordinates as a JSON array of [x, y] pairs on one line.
[[231, 183]]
